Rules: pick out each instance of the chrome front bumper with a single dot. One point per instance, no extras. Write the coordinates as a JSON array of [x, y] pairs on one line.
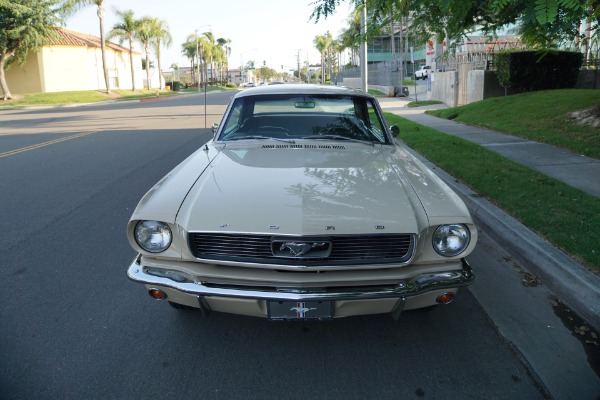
[[410, 287]]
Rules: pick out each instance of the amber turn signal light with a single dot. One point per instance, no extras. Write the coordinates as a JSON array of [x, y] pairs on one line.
[[445, 298], [157, 294]]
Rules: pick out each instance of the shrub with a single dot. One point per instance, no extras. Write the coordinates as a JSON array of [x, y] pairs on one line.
[[231, 85], [528, 71]]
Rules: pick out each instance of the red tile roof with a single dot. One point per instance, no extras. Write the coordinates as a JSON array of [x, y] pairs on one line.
[[66, 37]]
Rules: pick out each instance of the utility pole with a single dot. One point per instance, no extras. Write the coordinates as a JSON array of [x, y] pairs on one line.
[[197, 63], [363, 49], [298, 62]]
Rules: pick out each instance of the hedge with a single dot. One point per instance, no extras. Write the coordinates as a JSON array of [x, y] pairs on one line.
[[528, 71]]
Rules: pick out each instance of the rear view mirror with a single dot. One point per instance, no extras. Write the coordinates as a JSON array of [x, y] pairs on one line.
[[304, 104], [395, 130], [215, 127]]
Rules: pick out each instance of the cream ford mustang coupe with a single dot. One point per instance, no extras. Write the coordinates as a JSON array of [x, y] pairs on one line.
[[303, 206]]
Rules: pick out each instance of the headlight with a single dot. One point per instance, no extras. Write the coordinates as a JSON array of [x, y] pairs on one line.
[[451, 240], [153, 236]]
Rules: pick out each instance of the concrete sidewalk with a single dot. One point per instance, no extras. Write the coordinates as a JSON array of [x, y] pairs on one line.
[[572, 283], [573, 169]]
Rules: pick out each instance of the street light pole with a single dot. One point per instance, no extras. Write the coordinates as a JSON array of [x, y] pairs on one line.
[[197, 64], [363, 49]]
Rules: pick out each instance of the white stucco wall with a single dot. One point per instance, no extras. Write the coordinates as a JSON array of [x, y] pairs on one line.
[[74, 68], [80, 68], [26, 78]]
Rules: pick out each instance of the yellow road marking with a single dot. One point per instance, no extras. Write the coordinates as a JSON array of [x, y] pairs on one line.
[[43, 144]]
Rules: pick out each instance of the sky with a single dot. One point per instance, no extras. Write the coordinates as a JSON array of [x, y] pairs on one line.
[[275, 31]]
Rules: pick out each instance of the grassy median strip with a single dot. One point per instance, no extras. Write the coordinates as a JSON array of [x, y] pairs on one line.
[[563, 215], [541, 116]]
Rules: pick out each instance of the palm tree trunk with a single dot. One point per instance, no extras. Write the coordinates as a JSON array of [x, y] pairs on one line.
[[147, 65], [323, 67], [329, 62], [160, 77], [131, 62], [103, 46], [193, 67]]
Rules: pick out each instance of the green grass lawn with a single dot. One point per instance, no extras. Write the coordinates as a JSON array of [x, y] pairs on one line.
[[94, 96], [423, 103], [565, 216], [44, 99], [81, 97], [374, 92], [540, 116]]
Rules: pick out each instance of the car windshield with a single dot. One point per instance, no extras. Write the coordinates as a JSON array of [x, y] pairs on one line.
[[304, 117]]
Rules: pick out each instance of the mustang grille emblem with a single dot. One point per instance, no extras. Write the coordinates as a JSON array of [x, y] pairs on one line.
[[301, 309], [301, 248]]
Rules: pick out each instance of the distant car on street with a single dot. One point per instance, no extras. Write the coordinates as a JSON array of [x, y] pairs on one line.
[[423, 72]]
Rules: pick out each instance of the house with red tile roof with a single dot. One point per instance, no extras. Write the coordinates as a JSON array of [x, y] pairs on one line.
[[72, 61]]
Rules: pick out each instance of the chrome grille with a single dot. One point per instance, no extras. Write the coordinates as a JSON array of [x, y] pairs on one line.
[[345, 249]]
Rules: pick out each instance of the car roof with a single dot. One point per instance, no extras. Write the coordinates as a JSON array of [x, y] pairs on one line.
[[302, 89]]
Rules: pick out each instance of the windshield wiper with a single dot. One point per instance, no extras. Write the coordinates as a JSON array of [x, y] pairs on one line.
[[338, 137], [256, 137]]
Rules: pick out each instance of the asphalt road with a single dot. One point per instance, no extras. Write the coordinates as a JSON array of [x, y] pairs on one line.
[[73, 326]]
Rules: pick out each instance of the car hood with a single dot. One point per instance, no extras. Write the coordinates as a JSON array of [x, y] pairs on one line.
[[303, 190]]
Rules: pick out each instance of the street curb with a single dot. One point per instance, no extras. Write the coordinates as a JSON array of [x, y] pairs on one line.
[[574, 285]]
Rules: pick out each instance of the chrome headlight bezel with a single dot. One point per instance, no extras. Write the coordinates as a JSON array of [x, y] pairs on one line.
[[451, 240], [153, 236]]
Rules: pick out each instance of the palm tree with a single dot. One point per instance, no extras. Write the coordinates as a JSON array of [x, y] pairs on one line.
[[329, 49], [125, 30], [144, 35], [350, 37], [320, 43], [188, 49], [208, 51], [223, 44], [160, 36], [72, 6], [336, 52]]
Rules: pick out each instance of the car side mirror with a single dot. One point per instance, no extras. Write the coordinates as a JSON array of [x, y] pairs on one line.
[[215, 127], [395, 130]]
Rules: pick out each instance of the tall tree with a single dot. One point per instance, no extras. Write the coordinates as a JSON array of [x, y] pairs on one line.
[[72, 6], [26, 25], [188, 49], [224, 44], [320, 43], [543, 23], [144, 34], [160, 36], [123, 30], [208, 51], [329, 51], [350, 37]]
